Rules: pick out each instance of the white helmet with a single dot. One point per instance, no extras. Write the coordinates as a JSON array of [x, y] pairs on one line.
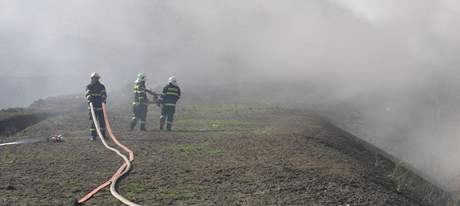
[[95, 75], [172, 80]]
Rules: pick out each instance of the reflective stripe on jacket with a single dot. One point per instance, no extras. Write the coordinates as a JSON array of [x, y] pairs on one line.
[[171, 94], [95, 93], [140, 94]]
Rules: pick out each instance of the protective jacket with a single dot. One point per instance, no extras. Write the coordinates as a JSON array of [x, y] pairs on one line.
[[140, 105], [96, 94], [140, 94], [171, 94]]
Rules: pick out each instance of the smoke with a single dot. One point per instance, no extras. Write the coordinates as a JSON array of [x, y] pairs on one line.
[[384, 70]]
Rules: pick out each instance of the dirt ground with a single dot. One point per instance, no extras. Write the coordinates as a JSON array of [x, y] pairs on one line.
[[217, 155]]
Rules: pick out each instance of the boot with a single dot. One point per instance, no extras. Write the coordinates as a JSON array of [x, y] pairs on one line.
[[162, 123], [168, 127], [92, 135], [143, 127], [103, 133], [133, 124]]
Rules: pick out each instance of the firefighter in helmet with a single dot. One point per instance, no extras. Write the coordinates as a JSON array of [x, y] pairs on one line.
[[96, 94], [141, 102], [171, 94]]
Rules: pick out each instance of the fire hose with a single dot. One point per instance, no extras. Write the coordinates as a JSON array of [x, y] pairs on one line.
[[52, 139], [27, 141], [122, 171]]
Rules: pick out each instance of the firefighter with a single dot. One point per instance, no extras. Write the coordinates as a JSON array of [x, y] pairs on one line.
[[171, 94], [96, 94], [141, 102]]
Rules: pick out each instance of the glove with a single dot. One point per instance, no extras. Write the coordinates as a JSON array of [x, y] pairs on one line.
[[160, 98]]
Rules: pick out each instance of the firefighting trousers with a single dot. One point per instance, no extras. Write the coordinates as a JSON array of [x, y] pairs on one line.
[[100, 120], [140, 115], [167, 116]]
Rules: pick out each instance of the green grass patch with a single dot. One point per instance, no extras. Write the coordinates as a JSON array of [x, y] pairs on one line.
[[7, 159], [228, 110], [181, 192], [133, 189], [212, 124], [196, 149], [220, 118], [263, 131]]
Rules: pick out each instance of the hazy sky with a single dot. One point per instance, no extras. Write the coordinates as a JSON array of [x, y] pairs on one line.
[[75, 37]]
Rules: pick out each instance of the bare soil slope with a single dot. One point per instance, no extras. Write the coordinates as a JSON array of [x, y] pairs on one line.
[[218, 155]]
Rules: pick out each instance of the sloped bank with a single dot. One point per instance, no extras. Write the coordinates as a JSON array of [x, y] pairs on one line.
[[389, 170], [17, 119], [20, 119]]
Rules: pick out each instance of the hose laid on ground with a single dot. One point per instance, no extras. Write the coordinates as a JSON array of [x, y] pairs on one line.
[[109, 130], [113, 186], [26, 141], [108, 182], [52, 139], [123, 170]]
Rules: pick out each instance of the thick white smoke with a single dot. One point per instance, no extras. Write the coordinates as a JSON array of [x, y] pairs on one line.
[[393, 62]]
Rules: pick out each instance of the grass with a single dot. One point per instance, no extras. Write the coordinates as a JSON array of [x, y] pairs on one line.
[[7, 158], [180, 192], [228, 110], [133, 189], [221, 117], [263, 131], [196, 149], [212, 124], [8, 113], [215, 118]]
